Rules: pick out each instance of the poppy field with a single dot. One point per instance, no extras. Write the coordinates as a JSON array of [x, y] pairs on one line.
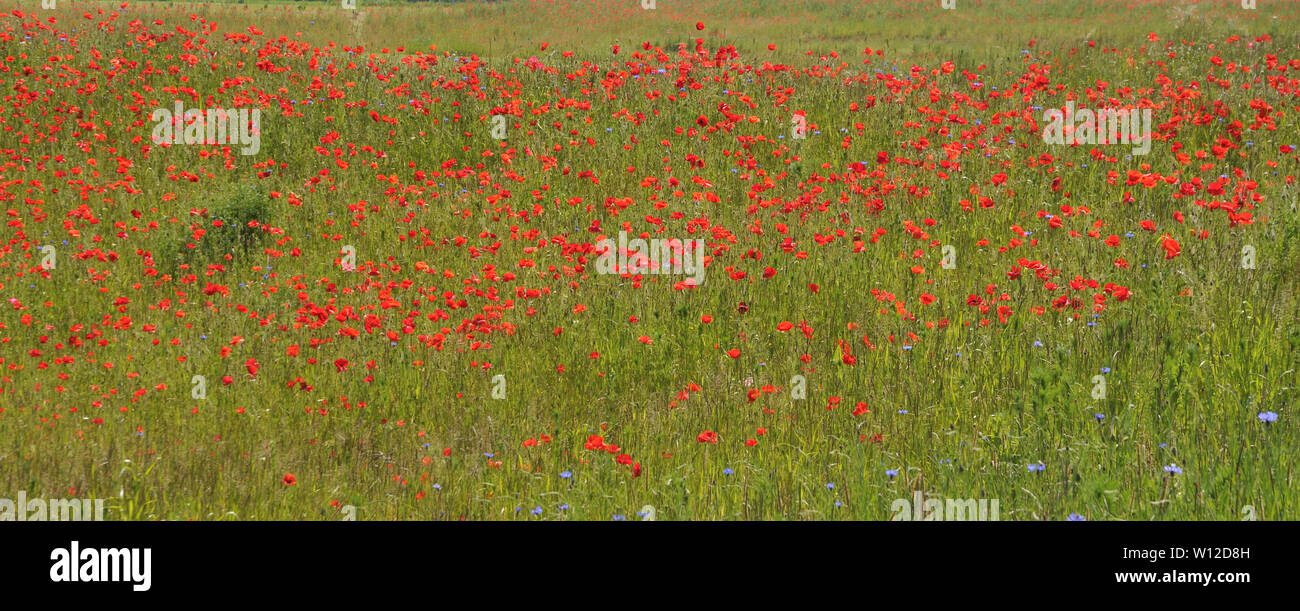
[[651, 259]]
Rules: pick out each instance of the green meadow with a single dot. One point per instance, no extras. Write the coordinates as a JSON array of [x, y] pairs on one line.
[[392, 309]]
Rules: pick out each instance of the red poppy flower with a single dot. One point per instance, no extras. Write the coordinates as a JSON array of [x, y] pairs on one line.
[[1171, 246]]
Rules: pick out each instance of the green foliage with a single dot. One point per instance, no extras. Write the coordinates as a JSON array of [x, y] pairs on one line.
[[1200, 348], [231, 230]]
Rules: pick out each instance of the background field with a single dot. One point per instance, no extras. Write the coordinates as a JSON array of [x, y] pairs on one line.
[[374, 388]]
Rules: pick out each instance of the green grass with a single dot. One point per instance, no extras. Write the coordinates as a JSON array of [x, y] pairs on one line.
[[1200, 348]]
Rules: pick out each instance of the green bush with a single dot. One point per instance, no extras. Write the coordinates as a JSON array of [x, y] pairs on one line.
[[236, 210]]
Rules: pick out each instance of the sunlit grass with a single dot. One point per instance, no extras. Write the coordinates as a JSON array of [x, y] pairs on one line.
[[1189, 361]]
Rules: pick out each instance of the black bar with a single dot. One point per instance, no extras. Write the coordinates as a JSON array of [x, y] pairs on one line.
[[304, 560]]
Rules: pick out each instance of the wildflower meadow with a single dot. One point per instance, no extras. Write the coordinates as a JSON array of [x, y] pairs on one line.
[[638, 260]]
